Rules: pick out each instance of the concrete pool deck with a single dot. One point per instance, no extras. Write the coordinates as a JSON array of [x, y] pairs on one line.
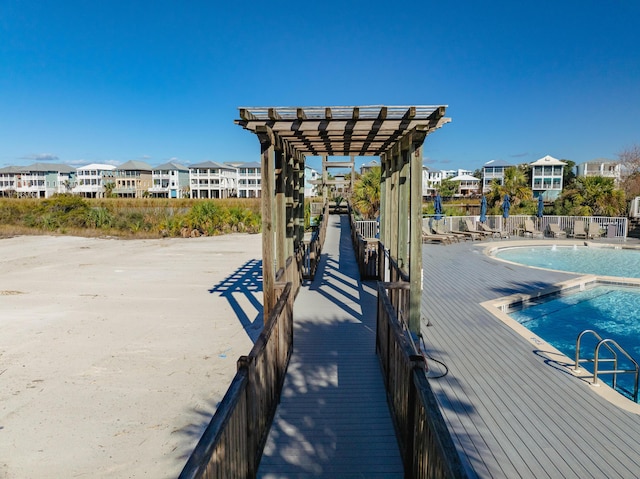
[[115, 353], [512, 408]]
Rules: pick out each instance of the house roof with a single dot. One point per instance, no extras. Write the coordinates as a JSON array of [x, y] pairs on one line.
[[251, 164], [97, 166], [171, 165], [48, 167], [547, 160], [135, 165], [341, 130], [211, 165], [465, 178], [493, 163]]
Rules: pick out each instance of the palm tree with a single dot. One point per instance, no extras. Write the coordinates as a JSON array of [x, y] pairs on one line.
[[366, 193], [514, 184]]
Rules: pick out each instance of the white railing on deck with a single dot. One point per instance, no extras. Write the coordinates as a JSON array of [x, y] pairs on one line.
[[368, 229], [612, 227]]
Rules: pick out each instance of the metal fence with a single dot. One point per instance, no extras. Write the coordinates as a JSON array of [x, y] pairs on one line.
[[611, 227]]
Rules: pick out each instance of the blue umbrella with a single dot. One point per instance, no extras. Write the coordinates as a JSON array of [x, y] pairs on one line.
[[437, 204], [540, 211], [483, 209], [506, 204]]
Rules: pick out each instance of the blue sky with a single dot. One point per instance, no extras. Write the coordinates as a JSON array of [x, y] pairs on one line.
[[85, 81]]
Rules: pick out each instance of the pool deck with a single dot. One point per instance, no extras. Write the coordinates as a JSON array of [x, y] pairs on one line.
[[511, 404]]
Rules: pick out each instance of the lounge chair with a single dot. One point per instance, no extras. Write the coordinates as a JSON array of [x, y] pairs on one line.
[[556, 232], [469, 234], [594, 230], [578, 229], [494, 233], [439, 230], [529, 228], [472, 229], [430, 237]]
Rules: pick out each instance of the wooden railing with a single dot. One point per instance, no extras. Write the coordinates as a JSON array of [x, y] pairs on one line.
[[232, 444], [426, 445], [313, 249], [366, 249]]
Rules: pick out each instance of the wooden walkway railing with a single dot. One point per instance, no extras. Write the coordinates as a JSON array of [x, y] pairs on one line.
[[312, 250], [232, 444], [426, 445]]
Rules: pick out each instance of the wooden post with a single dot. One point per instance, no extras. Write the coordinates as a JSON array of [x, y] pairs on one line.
[[393, 207], [280, 210], [403, 209], [415, 253], [325, 177], [267, 155]]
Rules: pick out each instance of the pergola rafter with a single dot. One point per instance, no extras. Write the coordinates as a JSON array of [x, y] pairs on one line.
[[394, 133]]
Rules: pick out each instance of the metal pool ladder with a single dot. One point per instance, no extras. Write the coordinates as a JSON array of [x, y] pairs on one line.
[[612, 346]]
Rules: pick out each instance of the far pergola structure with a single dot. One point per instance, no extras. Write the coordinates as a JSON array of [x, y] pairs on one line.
[[288, 135]]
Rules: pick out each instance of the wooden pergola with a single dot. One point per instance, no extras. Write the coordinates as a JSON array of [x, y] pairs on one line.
[[394, 133]]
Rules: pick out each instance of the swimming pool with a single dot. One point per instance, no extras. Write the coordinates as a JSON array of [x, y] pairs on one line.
[[612, 311], [577, 259]]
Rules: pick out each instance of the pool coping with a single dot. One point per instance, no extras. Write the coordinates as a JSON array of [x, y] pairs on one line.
[[498, 307]]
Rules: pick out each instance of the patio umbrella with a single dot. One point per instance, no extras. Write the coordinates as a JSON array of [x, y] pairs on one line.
[[437, 204], [506, 204], [483, 209], [540, 212]]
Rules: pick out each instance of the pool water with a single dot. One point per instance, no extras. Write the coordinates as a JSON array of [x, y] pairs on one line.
[[612, 311], [577, 259]]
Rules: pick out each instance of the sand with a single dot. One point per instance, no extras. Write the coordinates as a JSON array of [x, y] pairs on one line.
[[115, 353]]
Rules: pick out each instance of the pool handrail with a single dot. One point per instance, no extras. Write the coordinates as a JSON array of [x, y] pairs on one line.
[[615, 372], [596, 360]]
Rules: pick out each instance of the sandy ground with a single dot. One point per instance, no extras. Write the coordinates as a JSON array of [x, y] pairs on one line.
[[115, 353]]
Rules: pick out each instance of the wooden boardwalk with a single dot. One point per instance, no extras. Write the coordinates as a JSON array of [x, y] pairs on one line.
[[512, 412], [333, 420]]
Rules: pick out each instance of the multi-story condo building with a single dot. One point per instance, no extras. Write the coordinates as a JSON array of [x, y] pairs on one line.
[[8, 180], [170, 180], [310, 176], [213, 180], [468, 185], [132, 179], [431, 179], [546, 177], [43, 180], [493, 170], [600, 167], [91, 180], [249, 179]]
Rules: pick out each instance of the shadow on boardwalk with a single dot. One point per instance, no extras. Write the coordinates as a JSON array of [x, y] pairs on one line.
[[333, 419]]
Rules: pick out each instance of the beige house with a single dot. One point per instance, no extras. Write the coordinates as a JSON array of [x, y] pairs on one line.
[[132, 179]]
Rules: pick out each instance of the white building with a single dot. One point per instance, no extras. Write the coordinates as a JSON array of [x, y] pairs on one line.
[[213, 180], [546, 177], [91, 180], [8, 180], [310, 175], [170, 180], [364, 168], [249, 179], [468, 185], [493, 170], [600, 167]]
